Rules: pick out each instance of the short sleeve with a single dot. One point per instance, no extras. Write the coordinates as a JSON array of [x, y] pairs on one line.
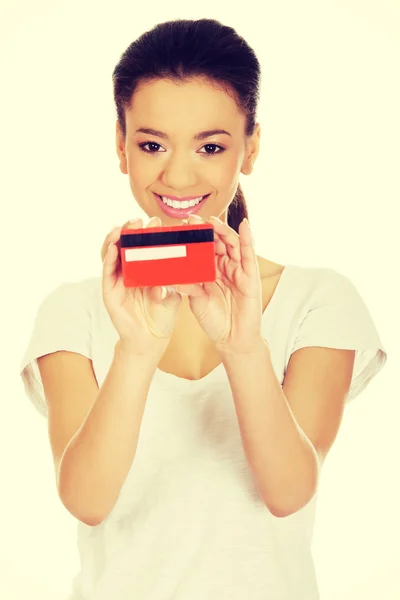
[[339, 318], [62, 322]]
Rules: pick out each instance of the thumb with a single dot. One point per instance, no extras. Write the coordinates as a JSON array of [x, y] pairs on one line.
[[168, 297], [199, 300], [191, 289]]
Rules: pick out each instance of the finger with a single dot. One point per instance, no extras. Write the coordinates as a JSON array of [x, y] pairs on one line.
[[199, 299], [134, 224], [195, 220], [226, 240], [228, 269], [229, 237], [110, 277], [220, 248], [157, 293], [154, 222], [167, 296], [113, 236], [191, 289], [247, 249]]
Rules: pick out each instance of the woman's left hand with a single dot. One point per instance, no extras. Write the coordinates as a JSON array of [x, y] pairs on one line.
[[229, 309]]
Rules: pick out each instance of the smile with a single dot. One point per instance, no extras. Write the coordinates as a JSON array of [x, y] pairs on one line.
[[181, 209], [182, 203]]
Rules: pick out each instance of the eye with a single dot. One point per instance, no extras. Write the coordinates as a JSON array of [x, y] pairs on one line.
[[155, 151], [221, 149], [142, 147]]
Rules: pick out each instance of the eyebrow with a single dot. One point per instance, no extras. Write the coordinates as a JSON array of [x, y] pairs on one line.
[[199, 136]]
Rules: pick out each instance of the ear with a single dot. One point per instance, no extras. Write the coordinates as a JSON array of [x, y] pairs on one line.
[[251, 153], [120, 144]]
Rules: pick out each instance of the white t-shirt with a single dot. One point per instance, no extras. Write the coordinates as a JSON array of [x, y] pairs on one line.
[[188, 523]]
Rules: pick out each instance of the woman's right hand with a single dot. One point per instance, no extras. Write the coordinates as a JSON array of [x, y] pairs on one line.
[[142, 317]]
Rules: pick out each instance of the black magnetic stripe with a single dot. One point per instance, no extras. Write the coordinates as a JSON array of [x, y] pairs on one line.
[[161, 238]]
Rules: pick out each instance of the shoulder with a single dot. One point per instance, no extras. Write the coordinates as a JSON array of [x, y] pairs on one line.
[[73, 293], [314, 275], [307, 284]]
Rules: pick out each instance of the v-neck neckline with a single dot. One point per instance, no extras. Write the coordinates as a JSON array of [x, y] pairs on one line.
[[184, 380]]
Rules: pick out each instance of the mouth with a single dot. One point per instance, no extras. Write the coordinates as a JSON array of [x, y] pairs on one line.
[[181, 209]]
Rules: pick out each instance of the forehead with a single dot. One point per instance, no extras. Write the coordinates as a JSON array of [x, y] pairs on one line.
[[165, 104]]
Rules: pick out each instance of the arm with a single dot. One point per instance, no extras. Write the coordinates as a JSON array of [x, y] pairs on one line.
[[283, 446], [98, 457]]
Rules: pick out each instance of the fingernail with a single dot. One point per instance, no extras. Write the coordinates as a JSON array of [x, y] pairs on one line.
[[163, 293]]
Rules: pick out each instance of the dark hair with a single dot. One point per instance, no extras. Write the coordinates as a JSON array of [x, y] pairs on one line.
[[182, 49]]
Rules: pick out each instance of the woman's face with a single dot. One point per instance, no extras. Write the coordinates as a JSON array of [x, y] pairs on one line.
[[176, 158]]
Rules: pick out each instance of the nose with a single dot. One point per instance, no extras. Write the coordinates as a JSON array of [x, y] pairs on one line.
[[179, 173]]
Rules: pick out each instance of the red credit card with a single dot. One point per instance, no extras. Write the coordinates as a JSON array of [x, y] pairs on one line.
[[167, 255]]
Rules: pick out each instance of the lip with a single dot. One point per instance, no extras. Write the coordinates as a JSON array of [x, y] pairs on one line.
[[180, 213]]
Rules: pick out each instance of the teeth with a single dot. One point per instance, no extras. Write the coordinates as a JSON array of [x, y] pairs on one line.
[[184, 204]]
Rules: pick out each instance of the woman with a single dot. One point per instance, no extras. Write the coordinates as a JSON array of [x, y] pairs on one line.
[[189, 425]]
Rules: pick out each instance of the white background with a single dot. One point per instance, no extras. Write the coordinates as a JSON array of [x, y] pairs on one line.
[[325, 192]]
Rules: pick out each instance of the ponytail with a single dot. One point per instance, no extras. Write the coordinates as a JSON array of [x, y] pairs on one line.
[[237, 210]]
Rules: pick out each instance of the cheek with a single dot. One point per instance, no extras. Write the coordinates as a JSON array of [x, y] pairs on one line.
[[226, 175], [140, 172]]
